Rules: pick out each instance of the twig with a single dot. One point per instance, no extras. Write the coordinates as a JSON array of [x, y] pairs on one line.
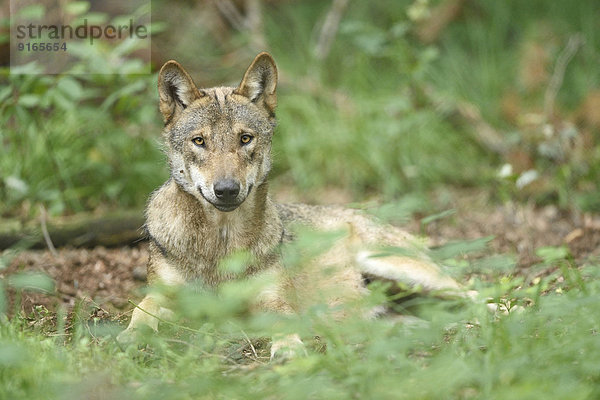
[[330, 28], [164, 321], [483, 132], [228, 9], [206, 353], [251, 345], [254, 24], [574, 43], [251, 23], [47, 239], [430, 28]]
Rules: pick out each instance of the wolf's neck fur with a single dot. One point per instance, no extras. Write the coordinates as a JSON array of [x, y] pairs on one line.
[[197, 234], [248, 219]]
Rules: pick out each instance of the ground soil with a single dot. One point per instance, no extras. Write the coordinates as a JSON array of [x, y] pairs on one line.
[[517, 228], [107, 278], [101, 280]]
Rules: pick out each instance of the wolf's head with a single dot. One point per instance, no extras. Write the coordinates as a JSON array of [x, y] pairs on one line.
[[219, 140]]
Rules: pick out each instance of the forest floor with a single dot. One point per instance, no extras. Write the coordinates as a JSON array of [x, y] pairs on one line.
[[105, 279]]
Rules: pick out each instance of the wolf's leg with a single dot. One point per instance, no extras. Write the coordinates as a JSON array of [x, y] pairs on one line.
[[151, 308], [148, 313], [418, 273], [410, 271], [286, 347]]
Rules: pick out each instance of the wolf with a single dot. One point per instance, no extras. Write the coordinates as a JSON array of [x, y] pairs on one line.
[[216, 202]]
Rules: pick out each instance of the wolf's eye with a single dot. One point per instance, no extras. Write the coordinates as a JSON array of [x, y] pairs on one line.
[[245, 139], [198, 141]]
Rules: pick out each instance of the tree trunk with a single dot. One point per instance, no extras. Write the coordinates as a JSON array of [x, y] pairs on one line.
[[82, 230]]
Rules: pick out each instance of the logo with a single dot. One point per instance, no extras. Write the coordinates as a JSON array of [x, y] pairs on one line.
[[80, 37]]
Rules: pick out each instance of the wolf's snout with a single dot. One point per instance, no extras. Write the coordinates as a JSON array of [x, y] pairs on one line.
[[226, 190]]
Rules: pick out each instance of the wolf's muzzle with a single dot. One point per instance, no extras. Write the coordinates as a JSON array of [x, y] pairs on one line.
[[226, 190], [226, 193]]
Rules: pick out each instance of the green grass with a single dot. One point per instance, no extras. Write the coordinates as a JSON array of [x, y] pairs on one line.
[[480, 60], [458, 350], [74, 145], [356, 120], [84, 143], [370, 147]]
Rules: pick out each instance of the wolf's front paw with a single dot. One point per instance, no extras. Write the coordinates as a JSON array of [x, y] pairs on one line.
[[128, 336], [137, 334], [287, 347]]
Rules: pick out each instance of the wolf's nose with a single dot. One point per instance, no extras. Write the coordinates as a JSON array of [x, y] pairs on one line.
[[226, 190]]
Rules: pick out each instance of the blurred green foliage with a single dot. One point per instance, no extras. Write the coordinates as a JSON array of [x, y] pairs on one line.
[[358, 119], [77, 144], [219, 349], [506, 58]]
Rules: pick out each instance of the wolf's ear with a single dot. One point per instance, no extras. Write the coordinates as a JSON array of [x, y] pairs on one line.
[[176, 89], [260, 82]]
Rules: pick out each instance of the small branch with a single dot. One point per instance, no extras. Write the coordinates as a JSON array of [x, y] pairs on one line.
[[251, 346], [483, 132], [47, 239], [250, 23], [254, 23], [206, 353], [430, 29], [164, 321], [228, 9], [330, 28], [574, 43]]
